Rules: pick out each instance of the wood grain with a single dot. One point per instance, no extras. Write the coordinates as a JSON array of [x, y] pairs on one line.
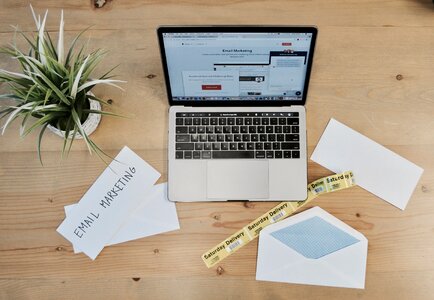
[[373, 70]]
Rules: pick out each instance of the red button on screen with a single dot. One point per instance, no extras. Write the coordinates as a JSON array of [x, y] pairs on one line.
[[286, 44], [211, 87]]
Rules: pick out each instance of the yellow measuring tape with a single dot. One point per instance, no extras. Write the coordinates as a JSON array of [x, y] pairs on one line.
[[242, 237]]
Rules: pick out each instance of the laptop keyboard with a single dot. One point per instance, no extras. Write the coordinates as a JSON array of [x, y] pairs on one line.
[[269, 135]]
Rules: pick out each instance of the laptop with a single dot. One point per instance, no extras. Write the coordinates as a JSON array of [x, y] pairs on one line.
[[237, 121]]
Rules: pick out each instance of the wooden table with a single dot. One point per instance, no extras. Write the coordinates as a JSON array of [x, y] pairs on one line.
[[373, 70]]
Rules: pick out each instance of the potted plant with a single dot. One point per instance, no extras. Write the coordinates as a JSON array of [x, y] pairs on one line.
[[53, 88]]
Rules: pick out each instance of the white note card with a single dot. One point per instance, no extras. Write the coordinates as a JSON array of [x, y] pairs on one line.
[[155, 214], [376, 168], [114, 196]]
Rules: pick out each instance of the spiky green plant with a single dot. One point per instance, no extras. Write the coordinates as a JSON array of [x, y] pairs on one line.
[[52, 87]]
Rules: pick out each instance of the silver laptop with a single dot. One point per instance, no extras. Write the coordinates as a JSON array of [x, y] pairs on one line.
[[237, 121]]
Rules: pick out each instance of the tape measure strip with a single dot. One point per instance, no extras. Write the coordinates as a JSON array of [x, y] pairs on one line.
[[242, 237]]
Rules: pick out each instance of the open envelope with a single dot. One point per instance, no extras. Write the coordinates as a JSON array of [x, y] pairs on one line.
[[312, 247]]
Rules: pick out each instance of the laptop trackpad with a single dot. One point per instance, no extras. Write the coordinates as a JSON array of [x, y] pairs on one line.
[[237, 180]]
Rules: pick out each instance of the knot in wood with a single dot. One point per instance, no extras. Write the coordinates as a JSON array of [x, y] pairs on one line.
[[220, 271]]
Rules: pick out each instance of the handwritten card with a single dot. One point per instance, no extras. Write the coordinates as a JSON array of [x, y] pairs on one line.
[[114, 196], [156, 214]]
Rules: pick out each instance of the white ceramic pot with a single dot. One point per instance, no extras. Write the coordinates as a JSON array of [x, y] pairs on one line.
[[89, 125]]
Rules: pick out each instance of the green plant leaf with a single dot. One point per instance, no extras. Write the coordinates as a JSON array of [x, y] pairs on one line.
[[17, 75], [14, 114], [8, 50], [30, 92], [37, 23], [60, 43], [10, 97], [98, 99], [33, 46], [77, 79], [50, 46], [67, 130], [71, 77], [41, 39], [41, 134], [23, 123], [101, 112], [95, 59], [99, 151], [5, 112], [77, 122], [72, 139], [105, 76], [44, 120], [101, 81], [47, 96], [71, 48]]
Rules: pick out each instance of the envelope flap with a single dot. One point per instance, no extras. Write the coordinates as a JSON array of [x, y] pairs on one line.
[[274, 258]]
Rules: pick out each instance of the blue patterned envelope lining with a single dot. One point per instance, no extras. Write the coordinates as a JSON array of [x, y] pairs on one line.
[[314, 237]]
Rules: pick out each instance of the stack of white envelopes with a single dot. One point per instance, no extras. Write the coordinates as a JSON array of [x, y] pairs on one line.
[[122, 205]]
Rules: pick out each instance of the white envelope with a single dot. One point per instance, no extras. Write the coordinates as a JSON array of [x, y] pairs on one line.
[[376, 168], [278, 262], [155, 215]]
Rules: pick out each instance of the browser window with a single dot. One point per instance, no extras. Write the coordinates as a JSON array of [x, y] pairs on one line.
[[237, 66]]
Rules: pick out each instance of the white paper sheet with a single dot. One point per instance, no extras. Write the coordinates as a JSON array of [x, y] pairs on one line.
[[376, 168], [114, 196], [155, 215]]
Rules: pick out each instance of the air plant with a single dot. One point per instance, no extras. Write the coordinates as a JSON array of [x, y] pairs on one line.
[[53, 87]]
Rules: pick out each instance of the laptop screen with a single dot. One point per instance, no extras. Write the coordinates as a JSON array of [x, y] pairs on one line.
[[237, 66]]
